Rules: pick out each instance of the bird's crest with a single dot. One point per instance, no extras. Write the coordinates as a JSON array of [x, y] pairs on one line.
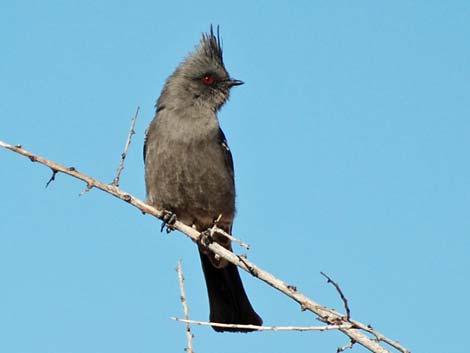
[[211, 45]]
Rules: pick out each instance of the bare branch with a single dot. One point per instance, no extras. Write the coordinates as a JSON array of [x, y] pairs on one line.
[[380, 337], [267, 328], [189, 335], [126, 148], [91, 182], [341, 294], [329, 316]]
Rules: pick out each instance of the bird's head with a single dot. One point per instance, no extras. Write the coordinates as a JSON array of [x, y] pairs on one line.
[[202, 79]]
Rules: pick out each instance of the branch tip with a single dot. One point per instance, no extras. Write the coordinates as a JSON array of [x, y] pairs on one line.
[[347, 346], [89, 186]]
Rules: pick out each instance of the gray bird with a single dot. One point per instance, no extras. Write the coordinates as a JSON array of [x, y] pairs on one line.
[[189, 169]]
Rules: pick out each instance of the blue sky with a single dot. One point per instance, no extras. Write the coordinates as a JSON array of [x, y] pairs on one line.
[[350, 140]]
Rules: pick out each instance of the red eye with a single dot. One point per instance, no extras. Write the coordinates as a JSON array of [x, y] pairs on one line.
[[208, 80]]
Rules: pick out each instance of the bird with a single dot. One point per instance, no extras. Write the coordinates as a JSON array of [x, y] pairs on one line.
[[189, 170]]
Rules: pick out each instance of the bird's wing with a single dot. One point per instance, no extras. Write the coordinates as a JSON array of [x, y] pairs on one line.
[[145, 143], [159, 109], [226, 151]]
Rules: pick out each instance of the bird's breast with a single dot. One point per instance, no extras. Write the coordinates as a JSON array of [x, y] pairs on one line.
[[186, 172]]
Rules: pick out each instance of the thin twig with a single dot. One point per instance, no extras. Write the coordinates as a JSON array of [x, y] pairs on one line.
[[346, 346], [54, 173], [88, 188], [218, 230], [126, 148], [189, 335], [267, 328], [341, 294], [329, 316]]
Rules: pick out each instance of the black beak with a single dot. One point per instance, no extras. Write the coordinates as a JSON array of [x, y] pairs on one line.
[[233, 82]]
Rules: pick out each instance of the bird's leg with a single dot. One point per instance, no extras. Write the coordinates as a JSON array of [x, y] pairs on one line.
[[205, 238], [168, 220], [209, 236]]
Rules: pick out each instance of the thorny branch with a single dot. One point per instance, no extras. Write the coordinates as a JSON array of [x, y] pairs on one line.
[[329, 316], [126, 149], [184, 302], [187, 321]]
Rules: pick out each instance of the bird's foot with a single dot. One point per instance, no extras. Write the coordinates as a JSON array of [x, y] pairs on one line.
[[205, 238], [168, 221]]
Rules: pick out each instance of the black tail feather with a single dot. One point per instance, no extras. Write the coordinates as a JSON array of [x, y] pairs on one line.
[[228, 301]]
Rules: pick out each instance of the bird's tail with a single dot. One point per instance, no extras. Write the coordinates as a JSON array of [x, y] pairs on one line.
[[228, 301]]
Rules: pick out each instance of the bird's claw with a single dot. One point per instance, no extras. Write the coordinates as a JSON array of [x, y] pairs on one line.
[[205, 238], [168, 221]]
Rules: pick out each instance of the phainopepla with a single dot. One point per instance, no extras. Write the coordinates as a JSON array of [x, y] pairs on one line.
[[189, 169]]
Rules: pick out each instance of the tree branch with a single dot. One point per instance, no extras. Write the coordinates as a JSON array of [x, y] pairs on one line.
[[126, 148], [184, 302], [341, 294], [329, 316], [267, 328]]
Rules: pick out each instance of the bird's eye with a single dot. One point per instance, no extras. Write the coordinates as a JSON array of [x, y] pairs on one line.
[[208, 80]]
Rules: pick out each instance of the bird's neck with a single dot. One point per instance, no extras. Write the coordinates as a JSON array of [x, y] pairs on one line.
[[199, 123]]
